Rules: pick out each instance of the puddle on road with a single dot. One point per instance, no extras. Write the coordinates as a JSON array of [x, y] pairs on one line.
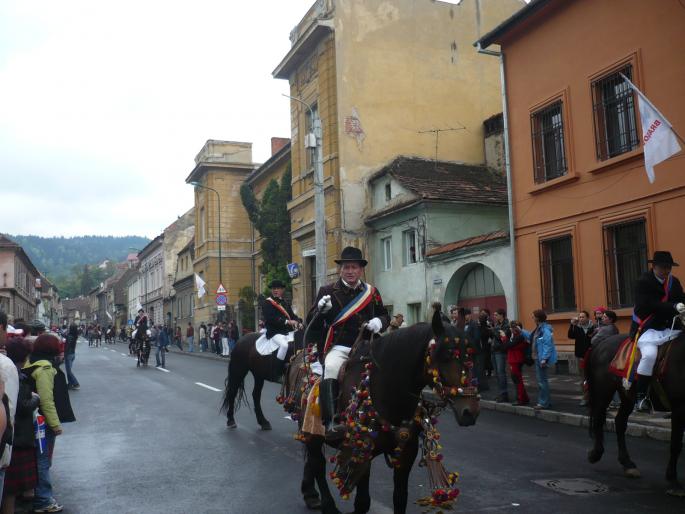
[[573, 486]]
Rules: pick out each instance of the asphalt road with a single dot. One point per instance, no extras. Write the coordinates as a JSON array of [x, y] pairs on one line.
[[149, 441]]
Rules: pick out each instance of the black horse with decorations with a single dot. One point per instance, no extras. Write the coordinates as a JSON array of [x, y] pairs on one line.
[[385, 412]]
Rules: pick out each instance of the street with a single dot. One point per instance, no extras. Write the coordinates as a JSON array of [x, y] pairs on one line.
[[150, 441]]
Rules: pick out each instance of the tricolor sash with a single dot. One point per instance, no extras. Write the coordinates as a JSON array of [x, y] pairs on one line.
[[624, 363], [357, 304], [278, 306]]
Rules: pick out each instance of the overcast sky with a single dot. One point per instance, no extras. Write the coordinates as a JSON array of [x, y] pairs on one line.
[[104, 105]]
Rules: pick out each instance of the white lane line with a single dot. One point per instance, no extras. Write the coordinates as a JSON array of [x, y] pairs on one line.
[[162, 369], [208, 387], [124, 355]]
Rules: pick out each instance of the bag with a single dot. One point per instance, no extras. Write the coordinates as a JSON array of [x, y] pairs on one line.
[[60, 394], [528, 355]]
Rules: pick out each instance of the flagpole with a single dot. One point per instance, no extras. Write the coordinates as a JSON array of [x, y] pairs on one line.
[[643, 97]]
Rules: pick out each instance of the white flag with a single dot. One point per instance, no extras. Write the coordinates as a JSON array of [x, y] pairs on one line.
[[108, 314], [658, 138], [200, 284], [138, 306]]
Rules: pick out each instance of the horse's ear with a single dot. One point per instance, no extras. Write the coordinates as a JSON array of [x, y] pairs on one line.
[[436, 322]]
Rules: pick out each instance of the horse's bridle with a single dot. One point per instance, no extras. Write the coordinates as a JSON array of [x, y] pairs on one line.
[[432, 370]]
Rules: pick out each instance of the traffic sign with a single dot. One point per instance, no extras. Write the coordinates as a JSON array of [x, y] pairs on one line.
[[221, 307], [293, 270], [221, 289], [221, 299]]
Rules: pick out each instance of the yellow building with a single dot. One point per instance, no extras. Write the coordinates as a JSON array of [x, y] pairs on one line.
[[387, 79], [220, 170]]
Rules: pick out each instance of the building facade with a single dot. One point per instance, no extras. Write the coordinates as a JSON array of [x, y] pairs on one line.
[[18, 276], [386, 79], [152, 279], [183, 293], [586, 218], [220, 170]]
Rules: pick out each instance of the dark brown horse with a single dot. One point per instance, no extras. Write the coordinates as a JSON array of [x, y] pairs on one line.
[[245, 359], [396, 380], [603, 384]]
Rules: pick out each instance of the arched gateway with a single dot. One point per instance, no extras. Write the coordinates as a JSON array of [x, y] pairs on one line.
[[475, 285]]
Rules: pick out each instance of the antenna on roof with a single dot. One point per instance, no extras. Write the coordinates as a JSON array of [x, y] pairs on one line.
[[437, 131]]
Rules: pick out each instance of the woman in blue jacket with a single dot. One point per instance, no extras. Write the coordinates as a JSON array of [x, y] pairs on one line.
[[542, 340]]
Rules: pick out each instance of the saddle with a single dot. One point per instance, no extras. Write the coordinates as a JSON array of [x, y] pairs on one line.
[[622, 358]]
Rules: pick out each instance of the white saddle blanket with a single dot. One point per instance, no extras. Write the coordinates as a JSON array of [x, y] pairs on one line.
[[268, 346], [658, 337]]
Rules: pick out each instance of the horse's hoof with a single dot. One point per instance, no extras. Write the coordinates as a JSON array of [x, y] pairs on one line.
[[632, 473], [678, 492], [313, 503], [594, 456], [231, 424], [265, 426]]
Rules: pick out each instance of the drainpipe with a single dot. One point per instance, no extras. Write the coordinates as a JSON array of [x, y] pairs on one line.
[[513, 309]]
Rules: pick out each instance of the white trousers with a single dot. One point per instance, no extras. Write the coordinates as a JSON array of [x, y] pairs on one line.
[[648, 344], [282, 342], [224, 346], [335, 358]]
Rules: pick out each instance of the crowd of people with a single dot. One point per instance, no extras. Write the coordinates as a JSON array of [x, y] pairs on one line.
[[35, 396]]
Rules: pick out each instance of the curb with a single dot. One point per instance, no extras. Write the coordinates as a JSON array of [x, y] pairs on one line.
[[578, 420], [201, 355]]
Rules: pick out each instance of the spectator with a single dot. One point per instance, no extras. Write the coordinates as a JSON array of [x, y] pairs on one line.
[[473, 336], [581, 331], [190, 335], [486, 340], [70, 355], [217, 337], [203, 337], [9, 388], [161, 342], [606, 329], [397, 322], [517, 349], [177, 338], [43, 368], [542, 340], [21, 475], [226, 338], [598, 313], [501, 335]]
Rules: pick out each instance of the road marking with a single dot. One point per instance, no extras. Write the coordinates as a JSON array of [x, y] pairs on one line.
[[162, 369], [124, 355], [208, 387]]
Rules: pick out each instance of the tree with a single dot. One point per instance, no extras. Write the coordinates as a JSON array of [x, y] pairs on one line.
[[246, 301], [270, 217]]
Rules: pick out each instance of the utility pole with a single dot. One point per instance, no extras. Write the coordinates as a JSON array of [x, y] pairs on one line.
[[319, 200]]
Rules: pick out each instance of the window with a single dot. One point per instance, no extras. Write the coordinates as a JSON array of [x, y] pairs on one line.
[[556, 266], [625, 251], [549, 158], [310, 153], [203, 226], [414, 311], [412, 252], [386, 244], [613, 104], [388, 192]]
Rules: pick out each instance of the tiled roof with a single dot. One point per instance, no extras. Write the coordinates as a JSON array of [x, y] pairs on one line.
[[465, 243], [448, 181]]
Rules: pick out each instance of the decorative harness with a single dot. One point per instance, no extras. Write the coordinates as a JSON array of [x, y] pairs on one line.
[[357, 304]]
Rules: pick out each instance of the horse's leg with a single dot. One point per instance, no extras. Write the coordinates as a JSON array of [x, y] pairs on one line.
[[256, 398], [401, 476], [362, 498], [621, 424], [317, 463], [598, 417], [235, 380], [677, 428]]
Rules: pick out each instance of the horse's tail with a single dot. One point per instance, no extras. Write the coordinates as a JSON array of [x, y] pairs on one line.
[[234, 387]]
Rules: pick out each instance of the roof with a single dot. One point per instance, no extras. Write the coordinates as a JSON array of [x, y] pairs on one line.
[[6, 242], [447, 181], [466, 243], [519, 16], [190, 244], [303, 48]]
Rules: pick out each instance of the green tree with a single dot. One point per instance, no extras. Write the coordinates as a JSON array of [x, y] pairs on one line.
[[270, 217], [246, 300]]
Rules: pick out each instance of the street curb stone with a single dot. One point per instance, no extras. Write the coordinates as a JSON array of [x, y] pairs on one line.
[[578, 420]]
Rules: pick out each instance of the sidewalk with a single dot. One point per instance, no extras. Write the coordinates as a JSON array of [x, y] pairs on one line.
[[565, 393]]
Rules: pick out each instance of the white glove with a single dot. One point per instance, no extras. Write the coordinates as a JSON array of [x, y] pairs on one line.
[[374, 325], [680, 308], [325, 304]]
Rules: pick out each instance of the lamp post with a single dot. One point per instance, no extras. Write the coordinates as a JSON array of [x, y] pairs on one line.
[[218, 202]]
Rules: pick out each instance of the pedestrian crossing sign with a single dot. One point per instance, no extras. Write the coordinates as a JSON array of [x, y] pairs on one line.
[[221, 289]]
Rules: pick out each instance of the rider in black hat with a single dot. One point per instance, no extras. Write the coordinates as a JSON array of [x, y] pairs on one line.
[[343, 307], [279, 319], [659, 299]]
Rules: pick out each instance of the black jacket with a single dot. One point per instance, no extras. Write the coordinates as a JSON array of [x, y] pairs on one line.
[[583, 339], [23, 419], [347, 333], [648, 295], [275, 320]]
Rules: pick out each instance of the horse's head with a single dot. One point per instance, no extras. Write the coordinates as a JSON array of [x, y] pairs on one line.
[[449, 367]]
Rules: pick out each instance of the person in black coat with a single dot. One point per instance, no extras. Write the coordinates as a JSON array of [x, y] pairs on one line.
[[659, 298], [279, 319]]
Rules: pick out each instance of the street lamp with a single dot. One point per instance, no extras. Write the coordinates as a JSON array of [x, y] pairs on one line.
[[218, 202]]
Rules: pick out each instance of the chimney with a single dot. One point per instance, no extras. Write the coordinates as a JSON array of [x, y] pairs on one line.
[[277, 143]]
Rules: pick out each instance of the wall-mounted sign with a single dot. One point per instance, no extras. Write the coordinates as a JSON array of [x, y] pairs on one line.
[[293, 270]]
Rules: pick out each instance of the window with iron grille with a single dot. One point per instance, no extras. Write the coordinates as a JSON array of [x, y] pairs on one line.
[[556, 269], [549, 157], [625, 253], [614, 113]]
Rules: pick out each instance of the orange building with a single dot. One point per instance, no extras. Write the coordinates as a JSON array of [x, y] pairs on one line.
[[585, 216]]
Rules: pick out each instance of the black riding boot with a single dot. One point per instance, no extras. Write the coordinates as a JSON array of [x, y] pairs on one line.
[[328, 395], [277, 367], [642, 403]]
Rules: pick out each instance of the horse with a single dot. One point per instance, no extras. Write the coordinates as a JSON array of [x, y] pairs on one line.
[[399, 373], [245, 359], [601, 387]]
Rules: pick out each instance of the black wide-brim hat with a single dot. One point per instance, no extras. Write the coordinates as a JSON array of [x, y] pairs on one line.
[[351, 254], [277, 283], [664, 258]]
